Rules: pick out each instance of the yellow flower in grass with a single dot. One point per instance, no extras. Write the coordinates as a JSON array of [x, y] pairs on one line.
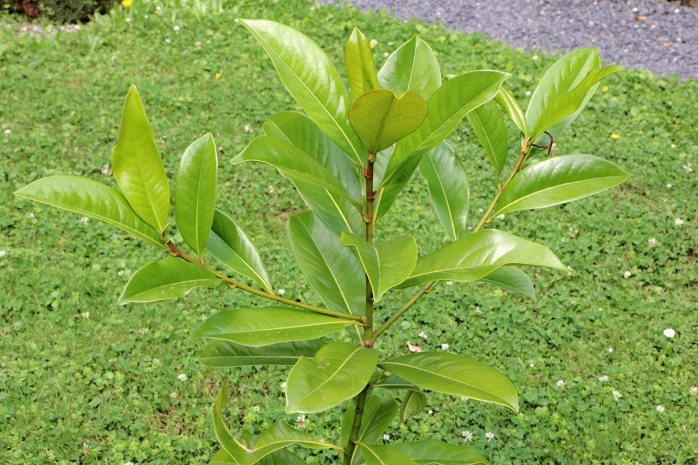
[[127, 3], [615, 136], [218, 75], [604, 89]]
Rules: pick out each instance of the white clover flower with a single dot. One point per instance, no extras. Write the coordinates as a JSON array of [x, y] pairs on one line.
[[617, 395], [489, 435], [678, 221], [158, 10], [627, 274], [176, 29], [669, 332], [560, 383], [270, 189], [386, 55], [444, 346], [423, 335], [120, 273], [693, 390], [610, 350], [449, 283], [528, 93], [386, 437], [128, 463], [8, 132], [500, 217], [652, 242], [669, 186], [3, 253], [373, 43], [84, 220], [300, 420], [282, 292], [534, 57], [283, 386], [182, 377], [532, 365], [660, 408], [85, 315], [673, 146], [467, 436], [168, 41], [603, 378], [173, 395], [128, 20], [247, 128], [430, 412], [256, 408]]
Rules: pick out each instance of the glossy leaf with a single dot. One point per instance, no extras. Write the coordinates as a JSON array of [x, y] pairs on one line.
[[195, 192], [93, 199], [137, 166], [229, 244], [380, 118], [278, 437], [475, 256], [412, 67], [293, 164], [338, 372], [511, 279], [558, 180], [360, 65], [456, 375], [280, 457], [511, 106], [384, 455], [413, 403], [261, 326], [433, 451], [561, 111], [377, 416], [335, 211], [333, 272], [394, 383], [311, 79], [388, 264], [169, 278], [448, 188], [229, 354], [489, 128]]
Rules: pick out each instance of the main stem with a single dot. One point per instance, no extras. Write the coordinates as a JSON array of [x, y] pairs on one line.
[[368, 316]]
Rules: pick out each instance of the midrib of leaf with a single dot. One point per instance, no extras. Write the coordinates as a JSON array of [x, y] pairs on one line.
[[487, 138], [331, 376], [339, 210], [275, 328], [244, 261], [448, 204], [145, 185]]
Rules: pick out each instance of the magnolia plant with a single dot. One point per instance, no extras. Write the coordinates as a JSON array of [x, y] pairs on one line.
[[349, 156]]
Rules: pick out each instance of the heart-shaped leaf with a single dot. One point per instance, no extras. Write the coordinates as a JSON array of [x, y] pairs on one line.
[[338, 372], [380, 118], [456, 375], [137, 166], [433, 451], [360, 65], [169, 278], [93, 199], [229, 354]]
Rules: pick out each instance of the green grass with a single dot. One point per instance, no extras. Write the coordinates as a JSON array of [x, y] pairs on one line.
[[105, 389]]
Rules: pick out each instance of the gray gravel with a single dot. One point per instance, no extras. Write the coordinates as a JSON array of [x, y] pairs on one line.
[[661, 37]]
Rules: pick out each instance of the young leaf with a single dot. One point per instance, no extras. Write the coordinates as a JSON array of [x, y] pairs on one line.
[[508, 102], [413, 403], [412, 67], [433, 451], [137, 166], [279, 436], [360, 65], [261, 326], [293, 164], [511, 279], [333, 272], [558, 180], [377, 416], [224, 354], [169, 278], [475, 256], [384, 455], [448, 188], [338, 372], [394, 383], [93, 199], [229, 244], [456, 375], [489, 128], [195, 192], [311, 79], [380, 118], [386, 265]]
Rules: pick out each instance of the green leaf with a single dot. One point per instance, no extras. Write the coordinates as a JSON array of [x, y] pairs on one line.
[[508, 102], [394, 383], [335, 211], [229, 244], [380, 118], [377, 416], [280, 457], [412, 67], [432, 451], [293, 164], [338, 372], [311, 79], [448, 188], [137, 166], [386, 265], [384, 455], [333, 272], [558, 180], [413, 403], [511, 279], [489, 128], [169, 278], [447, 107], [360, 65], [473, 257], [563, 110], [261, 326], [93, 199], [456, 375], [279, 436], [229, 354], [195, 192]]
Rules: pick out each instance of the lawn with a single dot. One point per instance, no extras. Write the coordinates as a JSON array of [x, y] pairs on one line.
[[84, 380]]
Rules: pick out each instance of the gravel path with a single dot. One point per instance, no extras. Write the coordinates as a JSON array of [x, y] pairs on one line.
[[661, 37]]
